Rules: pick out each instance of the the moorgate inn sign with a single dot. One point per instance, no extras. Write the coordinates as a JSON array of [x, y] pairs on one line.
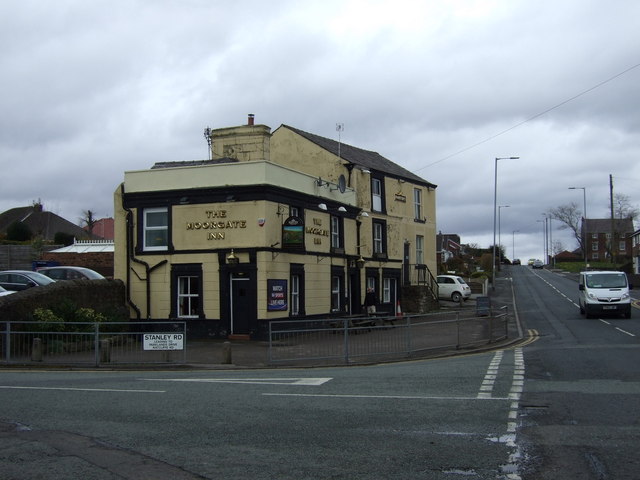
[[216, 220]]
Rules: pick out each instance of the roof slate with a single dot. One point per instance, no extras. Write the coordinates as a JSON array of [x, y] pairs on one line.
[[603, 225], [364, 158], [40, 222]]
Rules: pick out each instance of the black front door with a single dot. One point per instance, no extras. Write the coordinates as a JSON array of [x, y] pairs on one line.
[[242, 315]]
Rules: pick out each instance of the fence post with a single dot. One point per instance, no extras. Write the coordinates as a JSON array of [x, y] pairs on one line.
[[105, 351], [506, 322], [346, 340], [408, 337], [7, 344], [96, 343], [226, 353], [36, 350], [491, 317], [270, 353]]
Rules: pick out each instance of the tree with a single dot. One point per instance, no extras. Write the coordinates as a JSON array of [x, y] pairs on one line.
[[622, 207], [569, 215], [88, 220], [19, 232]]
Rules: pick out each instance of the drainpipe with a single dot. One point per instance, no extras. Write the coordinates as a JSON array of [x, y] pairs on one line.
[[129, 248]]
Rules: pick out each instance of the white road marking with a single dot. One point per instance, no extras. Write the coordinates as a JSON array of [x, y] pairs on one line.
[[625, 332], [249, 381], [17, 387], [382, 397]]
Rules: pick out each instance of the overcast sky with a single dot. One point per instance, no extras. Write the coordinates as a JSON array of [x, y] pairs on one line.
[[91, 89]]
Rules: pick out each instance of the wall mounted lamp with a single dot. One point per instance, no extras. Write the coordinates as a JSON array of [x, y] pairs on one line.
[[232, 259], [322, 206], [360, 262]]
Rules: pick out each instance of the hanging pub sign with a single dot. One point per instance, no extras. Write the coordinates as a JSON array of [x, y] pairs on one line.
[[293, 233], [276, 295]]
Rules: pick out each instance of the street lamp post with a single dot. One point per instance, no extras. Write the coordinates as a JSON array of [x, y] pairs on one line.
[[546, 239], [495, 204], [513, 244], [584, 223], [544, 236], [500, 230]]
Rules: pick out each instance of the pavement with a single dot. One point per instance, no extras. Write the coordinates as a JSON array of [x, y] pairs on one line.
[[236, 353], [255, 354]]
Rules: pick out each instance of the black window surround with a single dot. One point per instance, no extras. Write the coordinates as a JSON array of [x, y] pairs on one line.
[[140, 232], [185, 270]]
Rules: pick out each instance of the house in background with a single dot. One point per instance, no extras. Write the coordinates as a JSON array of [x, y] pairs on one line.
[[102, 228], [635, 251], [42, 224], [448, 245], [603, 238]]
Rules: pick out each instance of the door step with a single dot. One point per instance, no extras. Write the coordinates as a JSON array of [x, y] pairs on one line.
[[239, 336]]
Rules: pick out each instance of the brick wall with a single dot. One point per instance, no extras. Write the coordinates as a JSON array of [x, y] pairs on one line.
[[20, 257]]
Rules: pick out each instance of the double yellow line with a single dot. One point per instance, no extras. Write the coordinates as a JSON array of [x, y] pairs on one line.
[[532, 336]]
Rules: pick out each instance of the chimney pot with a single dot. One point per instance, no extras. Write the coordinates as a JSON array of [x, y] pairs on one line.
[[250, 119]]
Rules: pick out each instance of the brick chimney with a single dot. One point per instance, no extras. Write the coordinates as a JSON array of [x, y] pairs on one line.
[[250, 120]]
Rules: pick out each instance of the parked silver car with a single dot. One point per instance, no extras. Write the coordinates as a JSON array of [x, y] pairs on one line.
[[70, 273]]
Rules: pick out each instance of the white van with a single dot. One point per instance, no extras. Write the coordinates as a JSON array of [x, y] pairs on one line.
[[604, 292]]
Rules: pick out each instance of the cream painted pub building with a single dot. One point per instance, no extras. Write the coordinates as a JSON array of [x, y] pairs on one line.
[[277, 225]]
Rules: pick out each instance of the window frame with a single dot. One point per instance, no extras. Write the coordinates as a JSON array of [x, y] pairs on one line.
[[386, 289], [337, 289], [336, 234], [379, 242], [377, 194], [146, 230], [296, 270], [186, 270], [420, 250], [417, 205], [189, 296]]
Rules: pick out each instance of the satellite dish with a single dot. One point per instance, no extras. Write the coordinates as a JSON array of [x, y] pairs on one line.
[[342, 184]]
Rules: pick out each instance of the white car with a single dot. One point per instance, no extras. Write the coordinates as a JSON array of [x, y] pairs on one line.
[[453, 287]]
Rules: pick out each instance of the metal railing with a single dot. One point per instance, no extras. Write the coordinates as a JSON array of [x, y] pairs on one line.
[[361, 339], [98, 344], [419, 274]]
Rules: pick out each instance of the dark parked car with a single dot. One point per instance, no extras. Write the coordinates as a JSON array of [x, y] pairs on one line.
[[70, 273], [16, 280], [516, 261]]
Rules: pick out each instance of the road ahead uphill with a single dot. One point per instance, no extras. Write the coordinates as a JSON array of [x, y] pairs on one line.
[[578, 411]]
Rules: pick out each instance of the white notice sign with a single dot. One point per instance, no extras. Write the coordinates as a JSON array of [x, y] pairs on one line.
[[163, 341]]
